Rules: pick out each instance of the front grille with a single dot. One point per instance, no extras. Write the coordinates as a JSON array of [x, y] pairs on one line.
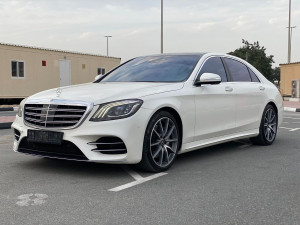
[[53, 115], [67, 150], [109, 145]]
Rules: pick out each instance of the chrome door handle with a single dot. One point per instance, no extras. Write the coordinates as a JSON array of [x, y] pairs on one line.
[[229, 89], [262, 88]]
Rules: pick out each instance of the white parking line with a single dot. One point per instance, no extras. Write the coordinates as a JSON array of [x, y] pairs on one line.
[[290, 129], [292, 122], [295, 129], [31, 199], [138, 180], [244, 144], [293, 118]]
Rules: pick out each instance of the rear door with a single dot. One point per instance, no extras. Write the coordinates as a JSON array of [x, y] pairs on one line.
[[215, 104], [250, 96]]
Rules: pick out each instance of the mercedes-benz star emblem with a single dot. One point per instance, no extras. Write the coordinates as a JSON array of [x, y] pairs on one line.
[[58, 92]]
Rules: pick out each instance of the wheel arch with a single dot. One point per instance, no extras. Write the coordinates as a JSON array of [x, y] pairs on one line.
[[274, 105]]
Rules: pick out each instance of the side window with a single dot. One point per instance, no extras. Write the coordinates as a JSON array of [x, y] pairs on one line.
[[253, 76], [238, 71], [214, 65]]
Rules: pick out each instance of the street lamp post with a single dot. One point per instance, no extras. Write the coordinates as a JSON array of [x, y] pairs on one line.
[[162, 29], [289, 33], [107, 44]]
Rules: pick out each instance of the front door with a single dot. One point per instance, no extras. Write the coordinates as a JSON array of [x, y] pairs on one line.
[[65, 72], [215, 104]]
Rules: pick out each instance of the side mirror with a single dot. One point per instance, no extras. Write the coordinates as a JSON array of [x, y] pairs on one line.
[[98, 76], [208, 78]]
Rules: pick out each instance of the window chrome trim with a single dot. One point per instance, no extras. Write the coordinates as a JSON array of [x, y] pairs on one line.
[[89, 107]]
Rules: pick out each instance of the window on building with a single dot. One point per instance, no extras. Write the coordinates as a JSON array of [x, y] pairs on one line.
[[17, 69], [238, 71], [214, 65], [101, 71]]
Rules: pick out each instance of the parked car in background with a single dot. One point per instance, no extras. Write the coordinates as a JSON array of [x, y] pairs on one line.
[[150, 109]]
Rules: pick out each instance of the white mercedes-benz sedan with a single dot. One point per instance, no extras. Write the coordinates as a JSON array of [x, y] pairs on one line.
[[149, 109]]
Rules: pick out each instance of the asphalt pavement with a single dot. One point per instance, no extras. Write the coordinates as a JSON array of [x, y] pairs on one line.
[[232, 183]]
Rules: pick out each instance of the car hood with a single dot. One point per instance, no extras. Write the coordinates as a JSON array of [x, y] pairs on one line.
[[105, 92]]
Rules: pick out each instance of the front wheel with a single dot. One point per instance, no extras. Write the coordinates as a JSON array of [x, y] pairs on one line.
[[161, 143], [268, 127]]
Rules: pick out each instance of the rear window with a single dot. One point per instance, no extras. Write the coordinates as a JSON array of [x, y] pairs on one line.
[[253, 76], [238, 71], [163, 68]]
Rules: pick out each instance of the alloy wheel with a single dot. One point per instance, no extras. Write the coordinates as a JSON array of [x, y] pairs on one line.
[[270, 125], [164, 142]]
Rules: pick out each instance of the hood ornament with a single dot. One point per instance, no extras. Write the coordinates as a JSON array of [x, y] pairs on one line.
[[58, 92]]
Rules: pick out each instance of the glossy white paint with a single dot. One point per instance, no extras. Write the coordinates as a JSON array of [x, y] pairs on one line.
[[210, 114]]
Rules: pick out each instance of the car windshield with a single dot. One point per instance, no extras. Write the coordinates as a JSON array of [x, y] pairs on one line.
[[163, 68]]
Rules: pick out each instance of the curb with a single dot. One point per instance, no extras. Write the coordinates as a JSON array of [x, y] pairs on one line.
[[6, 109], [290, 109], [5, 125]]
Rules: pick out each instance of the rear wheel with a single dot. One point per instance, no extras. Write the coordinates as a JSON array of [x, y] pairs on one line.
[[161, 143], [268, 127]]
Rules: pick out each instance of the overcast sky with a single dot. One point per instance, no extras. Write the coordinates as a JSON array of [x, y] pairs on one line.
[[190, 25]]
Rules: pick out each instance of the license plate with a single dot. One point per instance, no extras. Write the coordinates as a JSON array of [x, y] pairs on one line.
[[47, 137]]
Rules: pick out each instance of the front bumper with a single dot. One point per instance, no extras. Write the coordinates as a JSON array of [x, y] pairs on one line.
[[130, 130]]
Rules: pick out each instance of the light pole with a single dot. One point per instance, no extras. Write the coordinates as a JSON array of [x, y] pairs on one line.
[[162, 29], [289, 33], [107, 43], [290, 42]]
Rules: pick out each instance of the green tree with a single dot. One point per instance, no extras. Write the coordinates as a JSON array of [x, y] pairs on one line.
[[257, 57], [276, 74]]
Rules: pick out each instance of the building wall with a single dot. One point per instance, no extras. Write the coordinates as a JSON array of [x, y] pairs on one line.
[[288, 72], [37, 77]]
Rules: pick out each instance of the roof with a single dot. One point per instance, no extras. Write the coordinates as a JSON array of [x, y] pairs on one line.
[[284, 64], [56, 50]]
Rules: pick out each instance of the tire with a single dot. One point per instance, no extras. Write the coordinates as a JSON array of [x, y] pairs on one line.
[[268, 127], [161, 143]]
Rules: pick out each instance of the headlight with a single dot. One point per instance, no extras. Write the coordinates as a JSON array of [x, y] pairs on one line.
[[20, 109], [117, 110]]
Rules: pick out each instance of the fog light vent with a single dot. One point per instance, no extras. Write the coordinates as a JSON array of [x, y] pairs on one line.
[[17, 134], [109, 145]]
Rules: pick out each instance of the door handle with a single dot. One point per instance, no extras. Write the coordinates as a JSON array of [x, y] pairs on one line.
[[229, 89], [262, 88]]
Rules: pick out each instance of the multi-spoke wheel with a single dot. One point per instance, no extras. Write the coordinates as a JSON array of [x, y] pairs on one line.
[[268, 127], [161, 142]]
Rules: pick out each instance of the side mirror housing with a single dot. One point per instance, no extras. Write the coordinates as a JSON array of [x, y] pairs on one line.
[[98, 77], [208, 78]]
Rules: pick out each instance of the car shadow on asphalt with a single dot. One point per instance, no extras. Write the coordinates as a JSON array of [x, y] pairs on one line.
[[216, 152], [73, 168], [99, 170]]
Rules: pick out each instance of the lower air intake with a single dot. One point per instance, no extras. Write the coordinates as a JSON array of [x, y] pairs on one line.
[[67, 150], [109, 145]]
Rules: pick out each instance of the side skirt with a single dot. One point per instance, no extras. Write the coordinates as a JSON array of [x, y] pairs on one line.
[[218, 140]]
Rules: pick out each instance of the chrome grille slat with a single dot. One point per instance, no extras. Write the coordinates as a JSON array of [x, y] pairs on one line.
[[58, 116], [63, 121], [55, 115], [35, 120], [67, 110]]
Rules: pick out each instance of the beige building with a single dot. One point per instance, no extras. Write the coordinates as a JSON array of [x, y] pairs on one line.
[[27, 70], [288, 72]]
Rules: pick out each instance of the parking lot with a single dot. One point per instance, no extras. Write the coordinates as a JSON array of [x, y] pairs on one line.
[[232, 183]]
